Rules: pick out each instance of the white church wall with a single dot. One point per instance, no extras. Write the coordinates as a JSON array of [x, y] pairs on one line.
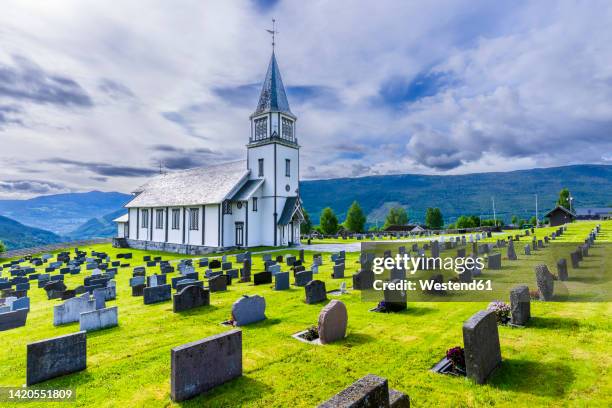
[[254, 227], [212, 225], [193, 236], [132, 222], [175, 236], [283, 153]]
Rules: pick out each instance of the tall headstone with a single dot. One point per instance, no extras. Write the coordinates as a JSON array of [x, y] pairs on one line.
[[249, 309], [562, 269], [281, 281], [511, 252], [520, 305], [333, 320], [481, 345], [545, 282]]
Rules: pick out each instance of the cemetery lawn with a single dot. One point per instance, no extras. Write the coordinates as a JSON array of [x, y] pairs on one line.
[[562, 358]]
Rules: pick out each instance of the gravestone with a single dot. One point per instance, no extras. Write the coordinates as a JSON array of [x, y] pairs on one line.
[[21, 303], [545, 282], [461, 253], [435, 249], [109, 292], [13, 319], [302, 278], [70, 311], [511, 252], [481, 345], [262, 278], [395, 300], [315, 292], [249, 309], [99, 319], [245, 272], [333, 320], [527, 249], [138, 290], [157, 294], [363, 280], [370, 391], [217, 283], [274, 269], [55, 357], [137, 281], [494, 261], [54, 289], [156, 280], [281, 281], [562, 269], [202, 365], [575, 259], [214, 264], [190, 297], [99, 298], [180, 285], [338, 272], [520, 305]]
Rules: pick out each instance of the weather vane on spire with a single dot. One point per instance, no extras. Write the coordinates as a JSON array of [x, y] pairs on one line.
[[273, 32]]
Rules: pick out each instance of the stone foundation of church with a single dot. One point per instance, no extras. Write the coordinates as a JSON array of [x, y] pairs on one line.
[[168, 247]]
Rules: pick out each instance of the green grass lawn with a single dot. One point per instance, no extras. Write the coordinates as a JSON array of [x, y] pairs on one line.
[[561, 359]]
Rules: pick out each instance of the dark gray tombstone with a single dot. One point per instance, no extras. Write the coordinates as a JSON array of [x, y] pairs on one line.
[[217, 283], [202, 365], [395, 300], [262, 278], [545, 282], [315, 292], [370, 391], [281, 281], [157, 294], [481, 345], [55, 357], [494, 261], [338, 272], [363, 280], [248, 309], [302, 278], [13, 319], [520, 305], [138, 290], [511, 252], [55, 289], [435, 249], [190, 297], [527, 249], [461, 253], [562, 269], [575, 259]]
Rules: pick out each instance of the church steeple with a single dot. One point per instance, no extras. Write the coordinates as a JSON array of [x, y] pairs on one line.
[[273, 97], [273, 120]]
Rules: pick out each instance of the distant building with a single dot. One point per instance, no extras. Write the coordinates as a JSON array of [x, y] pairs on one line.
[[405, 228], [559, 216], [594, 213]]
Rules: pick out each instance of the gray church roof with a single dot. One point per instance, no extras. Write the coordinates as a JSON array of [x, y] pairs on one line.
[[288, 211], [203, 185], [273, 97]]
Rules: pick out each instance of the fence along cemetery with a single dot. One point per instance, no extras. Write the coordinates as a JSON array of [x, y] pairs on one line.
[[90, 299]]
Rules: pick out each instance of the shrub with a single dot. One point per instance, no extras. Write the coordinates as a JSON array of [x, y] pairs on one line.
[[456, 356], [502, 311]]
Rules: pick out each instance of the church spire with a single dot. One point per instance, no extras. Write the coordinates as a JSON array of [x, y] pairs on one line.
[[273, 97]]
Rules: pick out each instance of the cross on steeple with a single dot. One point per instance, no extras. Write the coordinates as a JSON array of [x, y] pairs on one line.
[[273, 32]]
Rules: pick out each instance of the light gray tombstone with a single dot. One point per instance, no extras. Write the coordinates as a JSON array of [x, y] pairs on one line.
[[494, 261], [520, 305], [70, 311], [99, 319], [100, 298], [333, 321], [137, 281], [249, 309], [511, 252], [481, 345], [562, 269]]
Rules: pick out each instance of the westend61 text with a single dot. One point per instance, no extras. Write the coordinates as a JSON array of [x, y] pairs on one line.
[[429, 285], [412, 264]]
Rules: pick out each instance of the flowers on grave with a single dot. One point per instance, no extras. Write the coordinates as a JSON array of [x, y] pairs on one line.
[[382, 306], [456, 356], [534, 294], [502, 311], [312, 333], [231, 321]]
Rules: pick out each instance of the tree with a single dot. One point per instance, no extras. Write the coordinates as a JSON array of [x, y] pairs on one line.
[[466, 222], [2, 247], [355, 219], [533, 221], [396, 216], [564, 198], [306, 227], [328, 221], [514, 220], [433, 218]]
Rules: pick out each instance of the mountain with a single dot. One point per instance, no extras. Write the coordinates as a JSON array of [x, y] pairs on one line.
[[16, 235], [63, 213], [514, 192], [100, 227]]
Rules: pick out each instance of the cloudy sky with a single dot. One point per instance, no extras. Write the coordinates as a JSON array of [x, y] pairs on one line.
[[95, 94]]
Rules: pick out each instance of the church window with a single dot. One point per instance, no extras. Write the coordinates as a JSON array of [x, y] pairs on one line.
[[261, 128], [145, 218], [254, 203], [193, 218], [260, 163], [287, 129], [159, 219], [176, 218], [287, 168], [227, 207]]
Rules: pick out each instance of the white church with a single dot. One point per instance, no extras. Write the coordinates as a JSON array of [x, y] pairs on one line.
[[248, 203]]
